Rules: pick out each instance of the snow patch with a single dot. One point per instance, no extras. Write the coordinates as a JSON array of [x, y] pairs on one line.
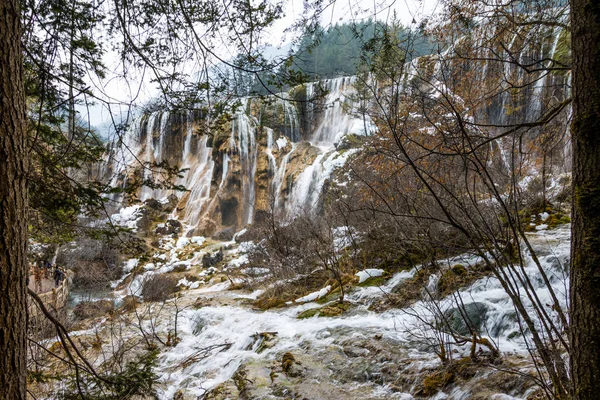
[[130, 264], [246, 247], [238, 262], [128, 216], [281, 143], [189, 284], [314, 295], [368, 273]]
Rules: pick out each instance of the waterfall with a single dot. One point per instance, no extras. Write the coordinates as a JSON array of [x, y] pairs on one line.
[[243, 131], [308, 187], [125, 152], [198, 181], [310, 93], [278, 180], [305, 192], [268, 150], [535, 104], [342, 115], [335, 120], [150, 155], [290, 119], [151, 140], [225, 170]]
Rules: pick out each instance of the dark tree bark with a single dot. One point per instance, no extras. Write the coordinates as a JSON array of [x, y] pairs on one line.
[[13, 206], [585, 246]]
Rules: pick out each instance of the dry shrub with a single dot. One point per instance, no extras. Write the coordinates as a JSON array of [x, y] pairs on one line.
[[179, 268], [94, 262], [91, 275], [159, 287], [129, 303], [91, 309]]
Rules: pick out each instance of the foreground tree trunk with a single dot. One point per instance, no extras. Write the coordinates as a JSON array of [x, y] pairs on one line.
[[585, 246], [13, 206]]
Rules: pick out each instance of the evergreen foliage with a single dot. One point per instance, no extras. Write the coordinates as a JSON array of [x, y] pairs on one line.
[[340, 50], [135, 379]]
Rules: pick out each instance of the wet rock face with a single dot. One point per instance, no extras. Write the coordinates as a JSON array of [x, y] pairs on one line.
[[225, 234], [154, 210], [229, 211], [162, 206], [349, 142]]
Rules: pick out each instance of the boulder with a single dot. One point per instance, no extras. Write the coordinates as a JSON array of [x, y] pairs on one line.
[[475, 317], [224, 234], [210, 260], [171, 227]]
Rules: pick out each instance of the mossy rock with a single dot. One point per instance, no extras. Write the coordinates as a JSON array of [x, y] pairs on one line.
[[331, 310], [437, 381], [268, 340], [557, 219], [562, 53], [459, 269], [289, 365], [350, 141], [266, 303], [334, 309], [280, 295], [311, 312], [241, 380], [374, 281], [459, 276], [333, 295], [220, 392], [287, 360], [188, 252], [298, 92]]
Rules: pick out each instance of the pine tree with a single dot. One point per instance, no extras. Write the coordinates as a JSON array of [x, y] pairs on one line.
[[13, 206], [585, 245]]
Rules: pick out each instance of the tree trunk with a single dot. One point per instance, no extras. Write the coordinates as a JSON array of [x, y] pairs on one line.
[[585, 246], [13, 206]]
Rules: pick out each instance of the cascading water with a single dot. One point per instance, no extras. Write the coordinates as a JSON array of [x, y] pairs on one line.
[[225, 170], [278, 179], [290, 118], [340, 116], [269, 149], [154, 154], [243, 136], [198, 181]]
